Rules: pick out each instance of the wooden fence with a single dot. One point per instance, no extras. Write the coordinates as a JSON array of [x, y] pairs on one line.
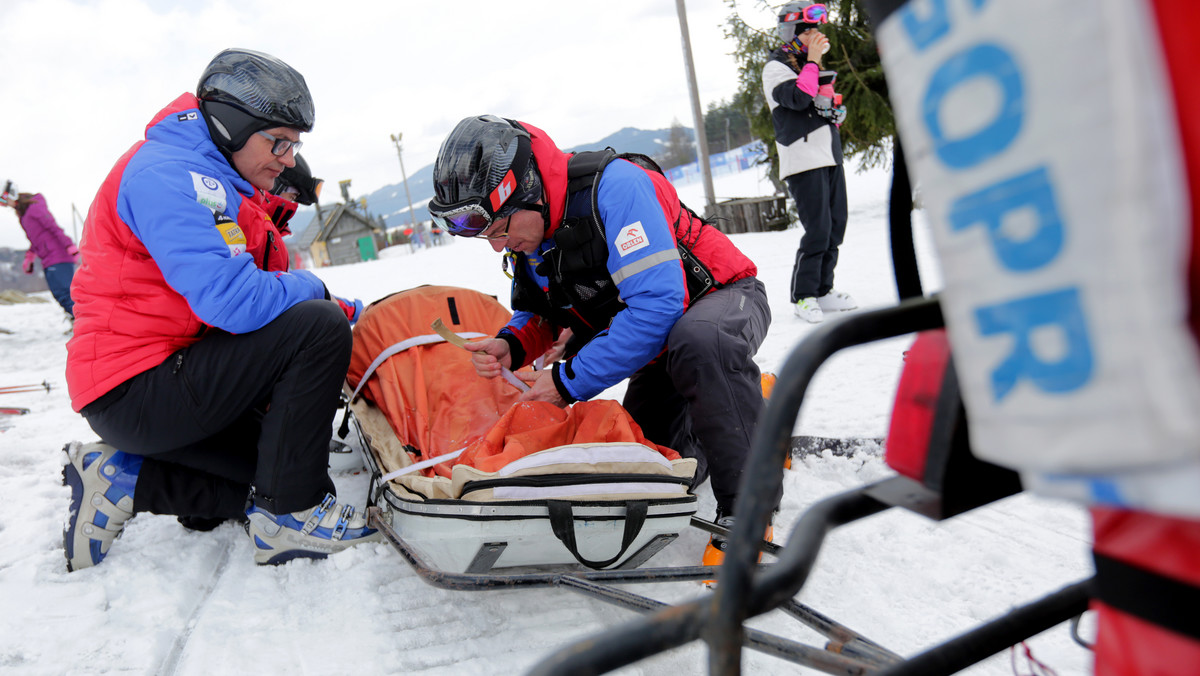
[[751, 214]]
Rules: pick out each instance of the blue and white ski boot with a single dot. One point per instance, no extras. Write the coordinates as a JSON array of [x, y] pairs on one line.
[[102, 480]]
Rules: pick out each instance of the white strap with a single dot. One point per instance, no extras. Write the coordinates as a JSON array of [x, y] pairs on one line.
[[513, 379], [457, 339], [423, 464], [396, 349]]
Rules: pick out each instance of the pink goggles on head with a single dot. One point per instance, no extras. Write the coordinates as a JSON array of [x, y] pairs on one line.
[[810, 14]]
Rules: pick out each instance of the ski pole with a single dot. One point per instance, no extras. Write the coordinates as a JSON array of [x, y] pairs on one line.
[[19, 391], [25, 388]]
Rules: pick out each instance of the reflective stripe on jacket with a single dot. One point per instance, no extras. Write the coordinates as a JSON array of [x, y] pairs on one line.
[[642, 218]]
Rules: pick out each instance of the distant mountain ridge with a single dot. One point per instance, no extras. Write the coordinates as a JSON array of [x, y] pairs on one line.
[[391, 202]]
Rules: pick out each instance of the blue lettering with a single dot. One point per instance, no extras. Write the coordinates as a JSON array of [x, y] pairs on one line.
[[926, 30], [980, 61], [989, 206], [1020, 318]]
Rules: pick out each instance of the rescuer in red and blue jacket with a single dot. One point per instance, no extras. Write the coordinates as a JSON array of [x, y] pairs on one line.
[[613, 272], [210, 371]]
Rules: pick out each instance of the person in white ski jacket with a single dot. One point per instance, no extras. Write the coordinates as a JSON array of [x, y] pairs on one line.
[[807, 112]]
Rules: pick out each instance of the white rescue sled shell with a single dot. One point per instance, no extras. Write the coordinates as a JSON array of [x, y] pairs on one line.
[[554, 507]]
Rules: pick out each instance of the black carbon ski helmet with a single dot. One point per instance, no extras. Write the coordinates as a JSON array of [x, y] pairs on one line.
[[243, 91], [300, 179], [483, 161]]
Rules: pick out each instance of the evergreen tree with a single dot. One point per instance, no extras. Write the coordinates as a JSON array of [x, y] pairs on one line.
[[869, 123], [680, 149], [726, 126]]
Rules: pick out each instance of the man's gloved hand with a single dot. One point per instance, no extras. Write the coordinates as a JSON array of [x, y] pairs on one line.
[[27, 265], [353, 308], [73, 252]]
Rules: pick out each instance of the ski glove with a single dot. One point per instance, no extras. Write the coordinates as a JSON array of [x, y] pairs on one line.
[[73, 252], [27, 266], [353, 308]]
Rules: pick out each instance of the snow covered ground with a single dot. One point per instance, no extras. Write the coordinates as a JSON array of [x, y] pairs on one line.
[[167, 600]]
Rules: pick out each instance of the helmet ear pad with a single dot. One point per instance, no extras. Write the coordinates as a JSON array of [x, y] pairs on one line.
[[791, 30], [230, 126]]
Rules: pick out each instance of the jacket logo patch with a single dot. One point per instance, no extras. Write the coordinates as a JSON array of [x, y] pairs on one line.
[[209, 192], [232, 233], [184, 117], [631, 238]]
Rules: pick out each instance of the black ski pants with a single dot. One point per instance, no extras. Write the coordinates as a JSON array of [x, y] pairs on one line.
[[820, 196], [233, 412], [703, 397]]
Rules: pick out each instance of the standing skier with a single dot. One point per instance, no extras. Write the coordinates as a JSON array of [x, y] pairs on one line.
[[807, 113], [213, 370], [48, 243]]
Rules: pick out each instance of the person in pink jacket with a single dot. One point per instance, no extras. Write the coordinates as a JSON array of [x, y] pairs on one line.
[[47, 242]]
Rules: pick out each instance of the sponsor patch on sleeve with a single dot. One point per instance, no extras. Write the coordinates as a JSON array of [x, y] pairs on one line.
[[631, 238], [209, 192], [232, 233]]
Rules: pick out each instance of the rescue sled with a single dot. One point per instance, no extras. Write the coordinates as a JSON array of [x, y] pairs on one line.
[[522, 507], [464, 482]]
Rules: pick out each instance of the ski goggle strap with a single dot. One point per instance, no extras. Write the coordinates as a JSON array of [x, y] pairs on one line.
[[810, 14], [469, 220]]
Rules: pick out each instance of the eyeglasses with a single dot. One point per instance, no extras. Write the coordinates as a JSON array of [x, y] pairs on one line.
[[498, 235], [281, 145], [810, 14], [505, 212]]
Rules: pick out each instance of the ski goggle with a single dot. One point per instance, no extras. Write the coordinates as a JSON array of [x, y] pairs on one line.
[[810, 14], [464, 220], [303, 194], [280, 146], [471, 218]]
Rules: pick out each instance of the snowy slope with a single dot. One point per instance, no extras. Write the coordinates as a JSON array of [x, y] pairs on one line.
[[167, 600]]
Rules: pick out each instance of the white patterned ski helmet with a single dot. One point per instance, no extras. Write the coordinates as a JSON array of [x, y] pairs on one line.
[[797, 13]]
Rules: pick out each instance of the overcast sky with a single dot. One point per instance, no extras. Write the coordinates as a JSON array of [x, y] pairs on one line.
[[82, 78]]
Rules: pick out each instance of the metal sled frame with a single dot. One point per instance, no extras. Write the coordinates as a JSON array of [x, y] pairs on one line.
[[856, 652], [745, 590]]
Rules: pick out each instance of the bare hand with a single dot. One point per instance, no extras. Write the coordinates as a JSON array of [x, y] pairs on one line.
[[818, 44], [489, 357], [541, 388], [558, 349]]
